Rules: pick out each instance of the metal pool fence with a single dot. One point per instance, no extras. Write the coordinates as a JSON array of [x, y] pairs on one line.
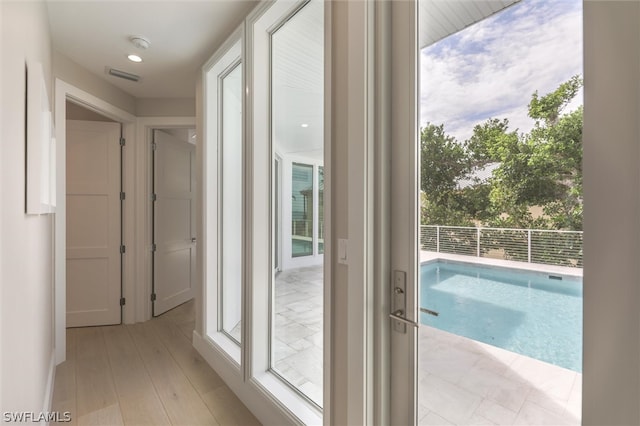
[[548, 247]]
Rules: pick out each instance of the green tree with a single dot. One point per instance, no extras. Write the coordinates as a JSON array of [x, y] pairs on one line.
[[537, 176], [541, 169], [443, 162]]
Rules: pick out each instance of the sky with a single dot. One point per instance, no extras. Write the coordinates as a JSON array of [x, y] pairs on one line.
[[491, 69]]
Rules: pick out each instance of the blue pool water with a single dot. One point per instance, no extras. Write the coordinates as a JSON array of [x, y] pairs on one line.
[[521, 311]]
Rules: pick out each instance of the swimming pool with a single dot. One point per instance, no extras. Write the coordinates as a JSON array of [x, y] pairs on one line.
[[533, 314]]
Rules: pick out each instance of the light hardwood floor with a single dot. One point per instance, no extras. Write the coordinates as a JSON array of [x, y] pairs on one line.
[[143, 374]]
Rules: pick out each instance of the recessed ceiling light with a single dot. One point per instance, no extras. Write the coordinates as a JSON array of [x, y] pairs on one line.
[[304, 125], [134, 58]]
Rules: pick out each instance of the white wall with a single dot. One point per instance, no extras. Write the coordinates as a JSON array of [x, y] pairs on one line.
[[162, 107], [611, 372], [26, 241], [74, 74]]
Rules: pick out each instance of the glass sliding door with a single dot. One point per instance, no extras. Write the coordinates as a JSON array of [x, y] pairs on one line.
[[473, 339], [297, 137]]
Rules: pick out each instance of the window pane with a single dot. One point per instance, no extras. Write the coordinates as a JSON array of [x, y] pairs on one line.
[[231, 203], [301, 210], [297, 72]]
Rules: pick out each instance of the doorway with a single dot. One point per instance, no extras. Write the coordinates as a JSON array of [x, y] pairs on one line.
[[173, 224], [440, 272]]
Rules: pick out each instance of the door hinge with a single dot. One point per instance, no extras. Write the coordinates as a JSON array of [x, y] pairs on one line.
[[122, 141], [153, 297], [122, 301], [154, 146], [154, 197], [153, 247], [122, 196], [123, 249]]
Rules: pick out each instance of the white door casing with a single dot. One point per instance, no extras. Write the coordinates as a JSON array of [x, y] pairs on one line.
[[174, 222], [93, 229], [404, 212]]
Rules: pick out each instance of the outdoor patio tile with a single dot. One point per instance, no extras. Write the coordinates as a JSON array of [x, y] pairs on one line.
[[573, 409], [316, 338], [313, 391], [549, 378], [300, 344], [308, 362], [449, 401], [448, 363], [288, 299], [477, 420], [282, 289], [292, 332], [303, 311], [533, 414], [488, 362], [510, 394], [432, 419], [495, 413], [292, 375], [481, 382], [495, 353], [422, 411], [548, 401], [316, 326], [281, 350], [281, 320]]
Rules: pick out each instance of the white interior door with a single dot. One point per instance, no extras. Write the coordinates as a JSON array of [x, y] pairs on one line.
[[174, 222], [93, 223]]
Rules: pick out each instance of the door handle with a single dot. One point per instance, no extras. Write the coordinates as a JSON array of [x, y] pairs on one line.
[[398, 316], [193, 239], [399, 303]]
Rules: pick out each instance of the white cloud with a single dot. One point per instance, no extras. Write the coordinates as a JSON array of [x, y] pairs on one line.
[[491, 69]]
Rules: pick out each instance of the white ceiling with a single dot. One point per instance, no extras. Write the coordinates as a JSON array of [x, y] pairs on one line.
[[441, 18], [298, 82], [183, 35]]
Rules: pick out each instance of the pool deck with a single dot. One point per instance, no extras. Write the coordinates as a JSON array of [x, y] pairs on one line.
[[466, 382], [428, 256], [461, 381]]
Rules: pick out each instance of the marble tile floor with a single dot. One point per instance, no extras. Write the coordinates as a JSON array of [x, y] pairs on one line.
[[297, 350]]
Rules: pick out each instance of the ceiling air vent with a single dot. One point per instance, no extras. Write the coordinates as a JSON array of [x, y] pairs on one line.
[[123, 74]]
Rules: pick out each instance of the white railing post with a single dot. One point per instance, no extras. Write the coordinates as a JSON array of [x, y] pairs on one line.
[[478, 242], [529, 245], [437, 238]]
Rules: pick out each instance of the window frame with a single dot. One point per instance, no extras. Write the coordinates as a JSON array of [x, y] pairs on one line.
[[259, 28], [228, 57]]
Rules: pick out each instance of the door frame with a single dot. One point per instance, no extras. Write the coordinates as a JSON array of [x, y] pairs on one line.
[[63, 92], [144, 181]]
